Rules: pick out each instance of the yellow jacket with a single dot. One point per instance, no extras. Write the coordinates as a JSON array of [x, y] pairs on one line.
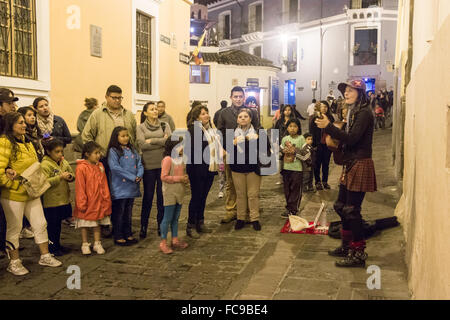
[[26, 156]]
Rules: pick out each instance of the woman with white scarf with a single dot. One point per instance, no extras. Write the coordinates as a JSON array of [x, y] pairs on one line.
[[50, 124], [204, 158], [246, 171]]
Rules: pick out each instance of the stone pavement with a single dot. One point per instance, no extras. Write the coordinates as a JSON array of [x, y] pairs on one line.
[[229, 264]]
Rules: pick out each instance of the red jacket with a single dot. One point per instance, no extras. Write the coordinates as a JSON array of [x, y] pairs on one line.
[[92, 197]]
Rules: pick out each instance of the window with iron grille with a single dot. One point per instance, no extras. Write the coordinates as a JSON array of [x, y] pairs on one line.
[[18, 56], [143, 54]]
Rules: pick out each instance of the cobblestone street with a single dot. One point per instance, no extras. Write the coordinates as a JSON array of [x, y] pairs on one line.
[[229, 264]]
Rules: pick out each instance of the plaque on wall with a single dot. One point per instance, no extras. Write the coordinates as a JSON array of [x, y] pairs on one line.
[[165, 39], [96, 41], [184, 58]]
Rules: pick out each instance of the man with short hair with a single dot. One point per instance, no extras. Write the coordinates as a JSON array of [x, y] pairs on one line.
[[102, 122], [311, 108], [7, 105], [111, 114], [228, 120], [223, 105], [163, 116]]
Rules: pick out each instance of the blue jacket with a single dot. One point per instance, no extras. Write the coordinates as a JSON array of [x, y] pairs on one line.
[[123, 173]]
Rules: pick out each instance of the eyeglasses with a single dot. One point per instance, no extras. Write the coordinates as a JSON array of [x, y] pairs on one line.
[[116, 98]]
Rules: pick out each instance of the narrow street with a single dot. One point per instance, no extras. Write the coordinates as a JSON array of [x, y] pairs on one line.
[[229, 264]]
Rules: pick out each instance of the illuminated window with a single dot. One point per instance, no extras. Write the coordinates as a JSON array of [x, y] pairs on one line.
[[18, 38], [365, 48], [199, 74]]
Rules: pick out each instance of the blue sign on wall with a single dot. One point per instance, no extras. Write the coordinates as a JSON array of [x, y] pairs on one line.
[[289, 91]]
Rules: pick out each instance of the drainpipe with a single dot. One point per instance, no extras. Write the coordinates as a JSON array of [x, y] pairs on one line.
[[321, 49], [240, 27]]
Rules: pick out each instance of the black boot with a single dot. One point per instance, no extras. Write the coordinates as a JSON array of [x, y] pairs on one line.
[[143, 232], [356, 256], [342, 251], [201, 228], [191, 231]]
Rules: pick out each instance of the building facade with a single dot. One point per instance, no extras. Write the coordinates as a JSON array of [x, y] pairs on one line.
[[421, 143], [316, 43], [68, 50], [212, 81]]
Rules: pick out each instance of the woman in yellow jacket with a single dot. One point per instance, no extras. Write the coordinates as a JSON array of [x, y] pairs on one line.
[[18, 153]]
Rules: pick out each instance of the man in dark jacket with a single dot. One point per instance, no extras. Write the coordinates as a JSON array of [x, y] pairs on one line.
[[223, 105], [228, 120]]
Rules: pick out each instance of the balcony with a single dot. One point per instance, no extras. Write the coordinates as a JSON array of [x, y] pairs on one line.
[[371, 14], [252, 37], [224, 43]]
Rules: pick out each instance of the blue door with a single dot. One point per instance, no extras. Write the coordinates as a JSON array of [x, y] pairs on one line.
[[289, 91]]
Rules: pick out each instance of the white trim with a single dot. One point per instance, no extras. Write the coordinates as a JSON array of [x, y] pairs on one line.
[[285, 11], [253, 46], [41, 86], [255, 3], [222, 14], [220, 5], [362, 26], [150, 8]]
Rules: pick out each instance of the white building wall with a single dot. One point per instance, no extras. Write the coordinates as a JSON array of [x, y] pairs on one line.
[[221, 83]]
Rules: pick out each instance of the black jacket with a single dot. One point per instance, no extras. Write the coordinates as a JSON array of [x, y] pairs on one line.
[[61, 131], [200, 170], [252, 153], [217, 115], [316, 131], [357, 143]]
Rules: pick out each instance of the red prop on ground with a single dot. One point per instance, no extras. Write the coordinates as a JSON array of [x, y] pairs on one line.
[[287, 229]]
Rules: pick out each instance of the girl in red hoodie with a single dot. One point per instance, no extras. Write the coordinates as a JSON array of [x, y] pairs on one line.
[[92, 200]]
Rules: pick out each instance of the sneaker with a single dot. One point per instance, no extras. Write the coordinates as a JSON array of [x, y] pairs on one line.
[[26, 234], [86, 248], [285, 214], [256, 225], [98, 247], [326, 185], [220, 195], [16, 268], [49, 261], [319, 186]]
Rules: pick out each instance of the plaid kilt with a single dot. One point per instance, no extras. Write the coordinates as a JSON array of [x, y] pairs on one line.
[[359, 177]]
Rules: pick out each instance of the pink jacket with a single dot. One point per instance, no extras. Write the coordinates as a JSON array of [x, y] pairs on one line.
[[92, 197]]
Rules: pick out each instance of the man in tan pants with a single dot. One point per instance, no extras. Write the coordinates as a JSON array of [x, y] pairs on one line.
[[230, 205]]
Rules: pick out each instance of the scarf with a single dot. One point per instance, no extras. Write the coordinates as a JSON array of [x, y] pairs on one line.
[[215, 148], [46, 124], [241, 133], [349, 114]]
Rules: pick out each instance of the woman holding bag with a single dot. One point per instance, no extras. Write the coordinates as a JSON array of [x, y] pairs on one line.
[[18, 153]]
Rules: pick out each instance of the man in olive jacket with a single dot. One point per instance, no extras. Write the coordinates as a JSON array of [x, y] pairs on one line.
[[111, 114], [101, 124]]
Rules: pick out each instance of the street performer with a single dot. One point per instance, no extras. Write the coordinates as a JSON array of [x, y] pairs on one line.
[[358, 174]]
